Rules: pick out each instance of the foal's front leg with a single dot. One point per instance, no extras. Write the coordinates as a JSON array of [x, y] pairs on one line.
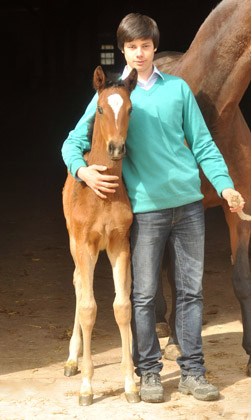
[[120, 261], [87, 317], [71, 366]]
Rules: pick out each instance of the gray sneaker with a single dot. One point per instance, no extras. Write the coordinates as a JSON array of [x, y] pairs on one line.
[[151, 389], [199, 387]]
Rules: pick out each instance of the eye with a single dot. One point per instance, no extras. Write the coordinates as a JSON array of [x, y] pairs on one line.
[[100, 109], [130, 111]]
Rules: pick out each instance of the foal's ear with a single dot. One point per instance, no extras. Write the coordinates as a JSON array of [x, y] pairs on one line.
[[131, 80], [99, 79]]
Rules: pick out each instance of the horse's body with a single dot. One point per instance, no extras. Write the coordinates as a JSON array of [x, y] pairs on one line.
[[217, 67], [95, 224]]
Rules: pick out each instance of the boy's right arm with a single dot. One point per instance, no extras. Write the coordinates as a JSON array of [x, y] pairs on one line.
[[77, 142]]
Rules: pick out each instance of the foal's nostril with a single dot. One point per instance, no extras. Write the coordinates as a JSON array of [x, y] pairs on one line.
[[111, 147]]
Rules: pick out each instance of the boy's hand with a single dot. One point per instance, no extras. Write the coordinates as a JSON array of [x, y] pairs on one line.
[[98, 182], [234, 199]]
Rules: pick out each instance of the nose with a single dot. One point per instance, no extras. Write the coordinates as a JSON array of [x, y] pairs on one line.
[[116, 151], [139, 51]]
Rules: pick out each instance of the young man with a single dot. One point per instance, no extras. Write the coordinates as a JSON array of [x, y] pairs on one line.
[[162, 179]]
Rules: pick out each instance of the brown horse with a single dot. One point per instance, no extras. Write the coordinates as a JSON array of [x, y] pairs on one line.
[[217, 67], [95, 224]]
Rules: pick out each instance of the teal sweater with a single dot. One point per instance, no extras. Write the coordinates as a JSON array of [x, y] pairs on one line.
[[159, 170]]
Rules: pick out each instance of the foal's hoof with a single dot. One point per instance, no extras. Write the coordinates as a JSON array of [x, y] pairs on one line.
[[249, 367], [132, 397], [85, 399], [70, 370], [172, 351]]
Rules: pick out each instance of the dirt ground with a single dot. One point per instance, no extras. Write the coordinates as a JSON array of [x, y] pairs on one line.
[[37, 310]]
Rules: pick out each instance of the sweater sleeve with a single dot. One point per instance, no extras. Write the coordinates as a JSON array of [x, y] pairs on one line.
[[77, 143], [204, 149]]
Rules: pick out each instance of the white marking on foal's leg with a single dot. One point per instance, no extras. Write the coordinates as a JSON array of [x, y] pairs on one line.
[[115, 101], [86, 393], [86, 388], [130, 385], [71, 366], [75, 345]]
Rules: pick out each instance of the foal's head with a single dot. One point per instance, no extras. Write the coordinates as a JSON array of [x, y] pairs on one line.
[[113, 110]]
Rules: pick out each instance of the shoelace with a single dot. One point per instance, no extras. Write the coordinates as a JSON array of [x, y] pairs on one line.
[[152, 378], [201, 380]]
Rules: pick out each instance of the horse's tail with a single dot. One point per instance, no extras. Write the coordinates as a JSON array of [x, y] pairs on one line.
[[235, 202], [244, 216]]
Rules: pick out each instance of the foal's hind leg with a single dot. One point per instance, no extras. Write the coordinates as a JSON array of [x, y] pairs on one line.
[[71, 366], [119, 257]]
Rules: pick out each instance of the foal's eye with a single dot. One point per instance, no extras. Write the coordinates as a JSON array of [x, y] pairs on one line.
[[129, 111], [100, 109]]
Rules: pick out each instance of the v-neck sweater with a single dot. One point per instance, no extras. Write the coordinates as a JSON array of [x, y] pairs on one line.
[[160, 170]]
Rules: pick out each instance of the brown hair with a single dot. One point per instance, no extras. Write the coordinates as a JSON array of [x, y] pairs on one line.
[[136, 26]]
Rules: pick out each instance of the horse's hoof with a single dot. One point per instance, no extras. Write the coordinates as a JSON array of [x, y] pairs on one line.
[[249, 367], [162, 329], [86, 399], [132, 397], [70, 370], [172, 351]]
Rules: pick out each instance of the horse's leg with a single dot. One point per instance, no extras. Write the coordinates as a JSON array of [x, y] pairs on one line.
[[240, 237], [87, 311], [242, 288], [119, 255], [161, 307], [172, 349], [71, 366], [162, 327]]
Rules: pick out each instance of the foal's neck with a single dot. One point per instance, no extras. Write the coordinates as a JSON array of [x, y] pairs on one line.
[[98, 156]]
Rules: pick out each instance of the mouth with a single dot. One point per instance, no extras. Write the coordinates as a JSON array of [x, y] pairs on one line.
[[117, 158]]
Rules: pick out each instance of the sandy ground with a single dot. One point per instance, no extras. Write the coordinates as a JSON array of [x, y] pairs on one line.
[[37, 309]]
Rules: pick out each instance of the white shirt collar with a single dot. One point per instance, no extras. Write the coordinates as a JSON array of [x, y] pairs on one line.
[[145, 84]]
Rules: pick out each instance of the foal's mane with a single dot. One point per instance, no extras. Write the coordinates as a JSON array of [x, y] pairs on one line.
[[113, 80]]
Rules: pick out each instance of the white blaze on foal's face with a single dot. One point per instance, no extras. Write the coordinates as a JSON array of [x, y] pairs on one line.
[[115, 101]]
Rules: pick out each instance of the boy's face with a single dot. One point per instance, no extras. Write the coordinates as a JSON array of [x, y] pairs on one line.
[[139, 54]]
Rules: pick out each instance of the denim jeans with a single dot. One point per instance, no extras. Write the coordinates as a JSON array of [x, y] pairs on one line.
[[184, 229]]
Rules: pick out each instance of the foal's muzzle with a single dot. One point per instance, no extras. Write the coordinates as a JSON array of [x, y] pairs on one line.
[[116, 151]]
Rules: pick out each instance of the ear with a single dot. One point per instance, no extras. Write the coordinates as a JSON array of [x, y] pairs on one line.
[[99, 79], [131, 80]]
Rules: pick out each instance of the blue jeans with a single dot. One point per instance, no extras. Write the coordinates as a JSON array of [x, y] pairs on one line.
[[184, 229]]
